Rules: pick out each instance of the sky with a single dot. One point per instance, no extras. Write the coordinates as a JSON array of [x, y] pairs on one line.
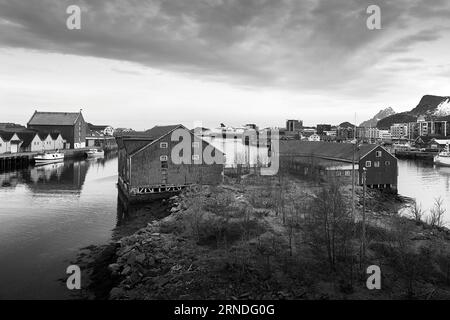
[[137, 64]]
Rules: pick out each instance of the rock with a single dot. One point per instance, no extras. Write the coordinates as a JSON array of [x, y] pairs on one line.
[[140, 258], [126, 270], [116, 293], [131, 258], [114, 267], [151, 261]]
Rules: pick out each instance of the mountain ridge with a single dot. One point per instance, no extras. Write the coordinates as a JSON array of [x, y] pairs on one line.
[[437, 107]]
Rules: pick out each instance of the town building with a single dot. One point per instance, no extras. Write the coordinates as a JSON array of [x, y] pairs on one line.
[[105, 130], [399, 130], [323, 128], [147, 169], [70, 125], [294, 125], [374, 164], [100, 136], [314, 137]]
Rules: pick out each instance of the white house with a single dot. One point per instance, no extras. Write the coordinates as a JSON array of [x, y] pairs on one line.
[[9, 142], [57, 141], [47, 141], [314, 137], [31, 142]]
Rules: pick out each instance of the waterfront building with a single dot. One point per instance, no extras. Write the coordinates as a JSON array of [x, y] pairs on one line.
[[147, 169], [105, 130], [325, 158], [9, 142], [70, 125], [31, 141]]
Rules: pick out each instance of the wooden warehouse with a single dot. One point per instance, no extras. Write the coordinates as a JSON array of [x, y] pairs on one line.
[[147, 170], [379, 164]]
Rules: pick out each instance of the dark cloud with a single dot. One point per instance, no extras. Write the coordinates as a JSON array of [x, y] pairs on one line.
[[290, 43]]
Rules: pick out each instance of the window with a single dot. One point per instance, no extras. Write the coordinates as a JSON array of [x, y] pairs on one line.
[[338, 173], [164, 165], [195, 157], [347, 173], [387, 163], [368, 164], [376, 164], [195, 144], [163, 145], [163, 158], [379, 154]]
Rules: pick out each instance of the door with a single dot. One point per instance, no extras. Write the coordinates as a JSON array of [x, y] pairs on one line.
[[14, 148]]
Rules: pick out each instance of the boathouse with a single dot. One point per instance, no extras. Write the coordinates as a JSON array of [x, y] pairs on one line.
[[70, 125], [31, 141], [337, 159], [148, 171], [9, 142]]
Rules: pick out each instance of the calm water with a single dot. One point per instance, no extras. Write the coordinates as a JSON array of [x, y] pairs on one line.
[[46, 215], [425, 182]]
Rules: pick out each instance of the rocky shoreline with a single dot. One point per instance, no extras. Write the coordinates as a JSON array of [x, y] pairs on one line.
[[257, 256]]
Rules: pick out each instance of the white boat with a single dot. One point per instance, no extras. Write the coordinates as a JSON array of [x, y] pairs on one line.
[[48, 157], [443, 158], [93, 153]]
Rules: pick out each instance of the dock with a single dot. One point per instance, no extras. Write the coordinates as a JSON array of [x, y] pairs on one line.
[[20, 160], [416, 154]]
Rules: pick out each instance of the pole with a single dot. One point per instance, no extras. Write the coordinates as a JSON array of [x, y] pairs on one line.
[[364, 218]]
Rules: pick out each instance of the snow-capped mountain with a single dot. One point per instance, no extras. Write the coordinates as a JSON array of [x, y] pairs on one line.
[[435, 106], [443, 109]]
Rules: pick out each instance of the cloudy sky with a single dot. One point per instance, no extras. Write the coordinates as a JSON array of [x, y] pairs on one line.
[[141, 63]]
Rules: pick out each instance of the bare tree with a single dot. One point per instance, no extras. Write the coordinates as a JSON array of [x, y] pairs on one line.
[[416, 211], [436, 218]]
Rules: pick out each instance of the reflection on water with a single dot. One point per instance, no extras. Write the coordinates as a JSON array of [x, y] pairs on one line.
[[47, 214], [425, 182]]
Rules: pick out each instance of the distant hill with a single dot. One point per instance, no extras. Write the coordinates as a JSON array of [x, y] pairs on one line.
[[435, 106], [346, 125], [379, 116]]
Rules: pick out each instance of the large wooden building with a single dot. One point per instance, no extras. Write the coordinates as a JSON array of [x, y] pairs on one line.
[[70, 125], [377, 164], [148, 171]]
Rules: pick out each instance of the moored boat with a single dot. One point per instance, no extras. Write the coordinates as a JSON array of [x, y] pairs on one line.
[[48, 157], [443, 158], [92, 153]]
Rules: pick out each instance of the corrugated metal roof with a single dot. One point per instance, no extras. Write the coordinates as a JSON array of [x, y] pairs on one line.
[[326, 150], [54, 118]]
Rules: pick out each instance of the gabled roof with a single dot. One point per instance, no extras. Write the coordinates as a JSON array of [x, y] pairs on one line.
[[43, 135], [139, 142], [55, 135], [6, 135], [159, 131], [54, 118], [325, 150], [26, 137], [97, 127]]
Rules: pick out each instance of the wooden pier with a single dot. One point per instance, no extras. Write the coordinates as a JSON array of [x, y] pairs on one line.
[[13, 161], [21, 160]]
